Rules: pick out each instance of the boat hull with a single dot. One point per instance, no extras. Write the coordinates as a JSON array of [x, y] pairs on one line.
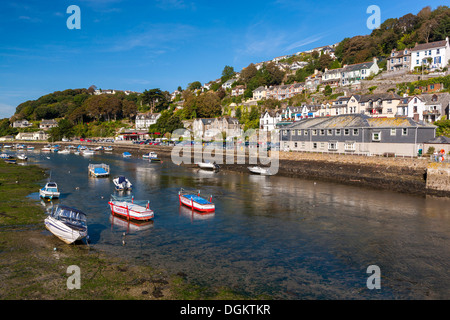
[[48, 194], [63, 232], [210, 207], [130, 211]]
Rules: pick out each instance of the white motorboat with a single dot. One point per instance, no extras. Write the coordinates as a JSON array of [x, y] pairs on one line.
[[87, 152], [65, 151], [109, 148], [68, 224], [122, 183], [49, 191], [47, 148], [22, 156], [208, 165], [150, 155], [259, 170]]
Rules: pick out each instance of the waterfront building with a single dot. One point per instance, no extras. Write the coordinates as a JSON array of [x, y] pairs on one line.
[[357, 134]]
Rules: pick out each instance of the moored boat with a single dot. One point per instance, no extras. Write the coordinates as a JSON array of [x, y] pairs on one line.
[[98, 170], [122, 183], [22, 157], [130, 210], [259, 170], [196, 202], [108, 148], [126, 154], [66, 223], [49, 191], [208, 165]]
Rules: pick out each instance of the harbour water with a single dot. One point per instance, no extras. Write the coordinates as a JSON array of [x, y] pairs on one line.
[[281, 237]]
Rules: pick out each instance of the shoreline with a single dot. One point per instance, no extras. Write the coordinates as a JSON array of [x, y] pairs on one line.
[[404, 175]]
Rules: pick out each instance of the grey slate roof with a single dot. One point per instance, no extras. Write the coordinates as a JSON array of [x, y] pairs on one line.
[[440, 140], [356, 121]]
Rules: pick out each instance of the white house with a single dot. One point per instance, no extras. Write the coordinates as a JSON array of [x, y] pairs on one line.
[[260, 93], [428, 107], [353, 74], [238, 90], [269, 120], [433, 55], [21, 124], [227, 84], [145, 120]]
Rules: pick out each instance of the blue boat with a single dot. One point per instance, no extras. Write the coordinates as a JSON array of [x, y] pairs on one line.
[[99, 170], [126, 154]]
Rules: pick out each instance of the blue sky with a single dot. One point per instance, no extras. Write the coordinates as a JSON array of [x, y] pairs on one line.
[[137, 45]]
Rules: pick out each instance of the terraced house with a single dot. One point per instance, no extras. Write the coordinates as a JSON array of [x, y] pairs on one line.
[[357, 134], [375, 105]]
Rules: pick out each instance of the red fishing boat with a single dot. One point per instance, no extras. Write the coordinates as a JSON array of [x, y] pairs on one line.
[[196, 202], [130, 210]]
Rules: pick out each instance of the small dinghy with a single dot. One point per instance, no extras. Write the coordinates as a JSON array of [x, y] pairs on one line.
[[208, 166], [196, 202], [109, 148], [122, 183], [68, 224], [22, 157], [49, 191], [130, 210], [259, 170], [126, 154]]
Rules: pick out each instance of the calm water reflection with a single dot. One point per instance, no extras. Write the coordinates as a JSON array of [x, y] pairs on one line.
[[289, 238]]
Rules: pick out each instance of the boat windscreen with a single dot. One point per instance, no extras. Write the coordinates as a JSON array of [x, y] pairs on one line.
[[69, 213]]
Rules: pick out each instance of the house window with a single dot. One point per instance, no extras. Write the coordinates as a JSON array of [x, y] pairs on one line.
[[306, 132], [437, 51], [404, 131], [355, 132], [393, 132], [299, 132], [338, 132], [284, 132], [376, 136], [350, 146], [303, 145], [314, 145], [322, 145], [314, 132], [332, 145], [330, 132], [389, 110], [322, 132], [346, 132], [389, 101], [295, 144]]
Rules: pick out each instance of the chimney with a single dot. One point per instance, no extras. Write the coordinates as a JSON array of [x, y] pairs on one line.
[[375, 60]]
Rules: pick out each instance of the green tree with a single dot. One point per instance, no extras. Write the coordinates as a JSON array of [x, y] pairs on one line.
[[227, 73]]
